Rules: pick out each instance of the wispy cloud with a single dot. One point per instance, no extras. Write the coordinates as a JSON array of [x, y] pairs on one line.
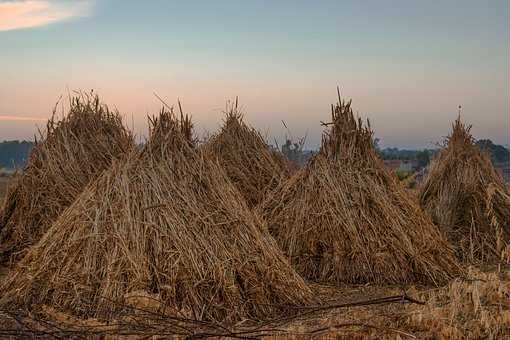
[[18, 14], [21, 118]]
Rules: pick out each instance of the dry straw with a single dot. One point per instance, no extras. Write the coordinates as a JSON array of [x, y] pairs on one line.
[[73, 151], [345, 218], [167, 133], [165, 223], [250, 164], [468, 199]]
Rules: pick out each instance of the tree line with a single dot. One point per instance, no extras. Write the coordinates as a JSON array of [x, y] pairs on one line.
[[14, 154], [498, 153]]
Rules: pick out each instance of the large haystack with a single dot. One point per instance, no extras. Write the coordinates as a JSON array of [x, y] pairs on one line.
[[173, 228], [72, 152], [468, 199], [344, 218], [250, 164]]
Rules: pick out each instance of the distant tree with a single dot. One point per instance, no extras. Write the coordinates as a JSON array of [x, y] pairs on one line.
[[14, 153], [423, 157], [498, 153]]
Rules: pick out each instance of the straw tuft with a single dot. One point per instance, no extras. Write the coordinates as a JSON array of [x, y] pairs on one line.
[[168, 133]]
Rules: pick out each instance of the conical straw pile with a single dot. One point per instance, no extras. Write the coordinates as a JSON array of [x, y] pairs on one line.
[[468, 199], [73, 152], [344, 218], [250, 164]]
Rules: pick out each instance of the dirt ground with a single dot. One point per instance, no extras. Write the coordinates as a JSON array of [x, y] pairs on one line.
[[474, 307]]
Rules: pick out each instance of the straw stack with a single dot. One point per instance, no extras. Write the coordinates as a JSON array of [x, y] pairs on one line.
[[468, 199], [344, 218], [165, 224], [250, 164], [73, 152]]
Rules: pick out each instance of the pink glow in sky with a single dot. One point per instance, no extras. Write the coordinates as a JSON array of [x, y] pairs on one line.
[[26, 14], [407, 66]]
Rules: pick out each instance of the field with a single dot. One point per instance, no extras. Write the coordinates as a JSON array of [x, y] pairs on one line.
[[464, 309], [228, 239], [476, 308]]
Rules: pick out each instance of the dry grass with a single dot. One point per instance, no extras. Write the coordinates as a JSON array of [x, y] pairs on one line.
[[167, 133], [250, 164], [4, 181], [72, 152], [477, 308], [164, 224], [345, 218], [469, 200]]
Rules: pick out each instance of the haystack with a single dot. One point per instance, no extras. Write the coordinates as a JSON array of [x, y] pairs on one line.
[[468, 199], [172, 228], [250, 164], [73, 151], [344, 218]]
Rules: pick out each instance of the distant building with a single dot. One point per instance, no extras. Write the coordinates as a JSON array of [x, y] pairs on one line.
[[393, 164], [402, 165], [409, 165]]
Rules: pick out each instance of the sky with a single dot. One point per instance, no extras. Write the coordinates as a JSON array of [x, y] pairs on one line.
[[407, 65]]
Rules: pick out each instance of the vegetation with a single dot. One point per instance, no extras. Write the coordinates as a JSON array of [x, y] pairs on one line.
[[498, 153], [14, 154]]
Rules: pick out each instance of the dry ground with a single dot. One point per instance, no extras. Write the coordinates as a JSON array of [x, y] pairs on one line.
[[477, 307]]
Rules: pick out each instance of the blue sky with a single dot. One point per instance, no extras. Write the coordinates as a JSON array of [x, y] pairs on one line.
[[407, 65]]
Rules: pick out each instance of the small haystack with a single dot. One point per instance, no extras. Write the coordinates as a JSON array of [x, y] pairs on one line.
[[168, 225], [468, 199], [253, 167], [73, 151], [345, 218]]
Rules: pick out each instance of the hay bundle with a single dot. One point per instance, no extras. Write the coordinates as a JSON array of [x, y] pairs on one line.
[[468, 199], [173, 228], [344, 218], [250, 164], [73, 151]]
